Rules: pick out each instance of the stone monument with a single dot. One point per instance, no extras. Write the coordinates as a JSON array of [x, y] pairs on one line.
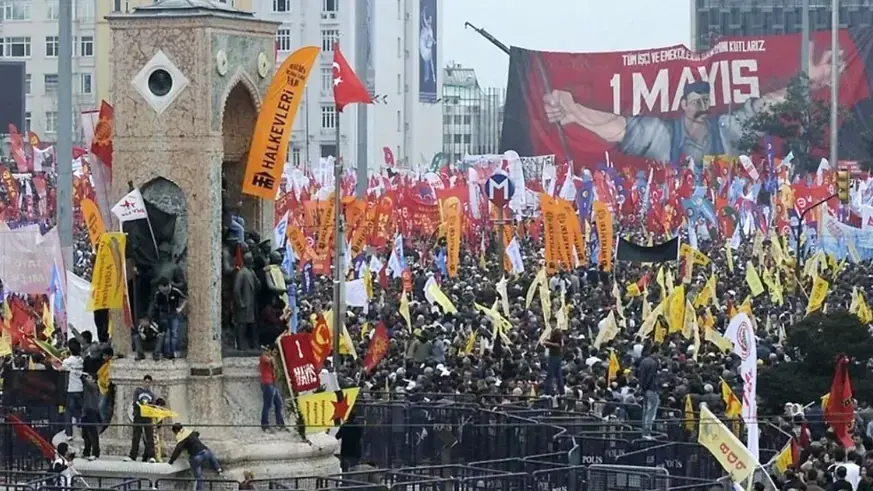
[[187, 81]]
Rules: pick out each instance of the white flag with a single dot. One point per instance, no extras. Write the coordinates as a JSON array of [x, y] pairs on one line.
[[130, 207], [280, 231]]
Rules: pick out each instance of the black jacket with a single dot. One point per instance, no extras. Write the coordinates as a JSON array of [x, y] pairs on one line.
[[191, 444], [647, 373]]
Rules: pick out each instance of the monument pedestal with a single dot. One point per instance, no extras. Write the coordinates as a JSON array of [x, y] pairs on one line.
[[234, 400]]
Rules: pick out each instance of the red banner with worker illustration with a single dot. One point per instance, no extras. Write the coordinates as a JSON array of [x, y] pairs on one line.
[[664, 104]]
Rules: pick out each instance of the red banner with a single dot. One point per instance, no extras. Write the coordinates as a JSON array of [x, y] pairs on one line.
[[377, 348], [299, 361], [665, 103]]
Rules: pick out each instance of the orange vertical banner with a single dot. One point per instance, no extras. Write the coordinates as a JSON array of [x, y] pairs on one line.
[[550, 229], [565, 233], [452, 208], [269, 146], [603, 222], [323, 245]]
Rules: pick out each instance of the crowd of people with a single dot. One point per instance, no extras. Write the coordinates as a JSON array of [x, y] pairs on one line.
[[467, 351]]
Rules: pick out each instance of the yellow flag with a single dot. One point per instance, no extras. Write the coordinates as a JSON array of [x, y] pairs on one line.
[[404, 310], [715, 337], [5, 345], [368, 281], [689, 413], [824, 401], [156, 412], [696, 257], [776, 251], [660, 279], [48, 322], [471, 343], [435, 295], [676, 309], [783, 459], [817, 295], [107, 280], [347, 346], [647, 307], [689, 325], [365, 329], [864, 313], [532, 289], [733, 406], [660, 332], [727, 449], [608, 331], [633, 290], [325, 410], [671, 282], [546, 302], [758, 244], [103, 380], [612, 367], [707, 293], [753, 280], [650, 320], [729, 253]]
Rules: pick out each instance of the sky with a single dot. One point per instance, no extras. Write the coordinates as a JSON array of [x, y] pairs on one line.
[[557, 25]]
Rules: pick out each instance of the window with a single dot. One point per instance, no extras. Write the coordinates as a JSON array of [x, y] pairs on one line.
[[447, 120], [51, 46], [27, 120], [85, 83], [467, 138], [398, 120], [27, 84], [329, 5], [328, 116], [399, 10], [283, 39], [468, 119], [327, 79], [328, 38], [50, 82], [51, 122], [281, 5], [86, 46], [398, 83], [85, 10], [116, 6], [295, 156], [458, 119], [457, 138], [328, 151], [17, 47], [53, 10], [399, 48], [15, 9]]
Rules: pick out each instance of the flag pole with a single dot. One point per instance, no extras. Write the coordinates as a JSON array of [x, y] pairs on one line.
[[338, 308]]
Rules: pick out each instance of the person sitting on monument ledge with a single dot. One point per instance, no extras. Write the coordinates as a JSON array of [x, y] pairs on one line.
[[168, 267], [166, 309], [245, 291], [147, 336]]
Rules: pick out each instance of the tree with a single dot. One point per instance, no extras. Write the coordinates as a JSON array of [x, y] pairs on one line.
[[813, 345], [799, 125]]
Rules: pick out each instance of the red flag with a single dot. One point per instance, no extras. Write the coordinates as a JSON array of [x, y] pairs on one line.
[[377, 348], [16, 146], [321, 341], [33, 139], [26, 432], [347, 88], [840, 413], [101, 145]]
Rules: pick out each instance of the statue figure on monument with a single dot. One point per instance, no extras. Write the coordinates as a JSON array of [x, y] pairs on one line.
[[230, 248], [245, 292]]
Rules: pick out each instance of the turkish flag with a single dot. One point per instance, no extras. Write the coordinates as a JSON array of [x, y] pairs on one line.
[[26, 433], [347, 88], [101, 145]]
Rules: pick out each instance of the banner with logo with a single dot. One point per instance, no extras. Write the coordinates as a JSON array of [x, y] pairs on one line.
[[741, 332], [298, 361], [93, 221], [324, 243], [107, 280], [632, 103], [382, 220], [603, 222], [727, 449], [453, 208], [273, 129], [551, 232], [298, 242], [324, 410], [565, 217]]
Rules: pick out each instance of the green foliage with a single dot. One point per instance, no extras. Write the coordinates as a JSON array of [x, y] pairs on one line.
[[801, 126], [813, 345]]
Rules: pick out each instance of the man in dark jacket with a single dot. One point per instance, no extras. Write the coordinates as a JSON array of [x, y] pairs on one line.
[[350, 450], [143, 395], [198, 453], [647, 374]]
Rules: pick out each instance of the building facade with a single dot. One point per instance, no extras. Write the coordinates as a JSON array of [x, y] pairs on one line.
[[402, 36], [405, 119], [472, 115], [29, 32], [711, 19]]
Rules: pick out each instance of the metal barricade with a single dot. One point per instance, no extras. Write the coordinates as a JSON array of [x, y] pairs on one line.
[[502, 482], [558, 479], [681, 483], [117, 483], [678, 458], [623, 478], [187, 484]]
